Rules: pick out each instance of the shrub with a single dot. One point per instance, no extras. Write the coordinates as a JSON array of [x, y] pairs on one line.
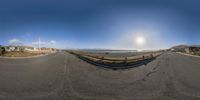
[[107, 53], [196, 53], [2, 50]]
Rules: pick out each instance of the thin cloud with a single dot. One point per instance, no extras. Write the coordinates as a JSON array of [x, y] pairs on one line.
[[41, 43], [52, 42], [14, 41], [45, 44]]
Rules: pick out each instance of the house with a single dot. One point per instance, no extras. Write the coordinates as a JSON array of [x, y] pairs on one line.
[[28, 48], [179, 48], [19, 48], [10, 48]]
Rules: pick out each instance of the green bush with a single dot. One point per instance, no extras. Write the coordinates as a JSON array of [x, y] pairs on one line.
[[2, 50]]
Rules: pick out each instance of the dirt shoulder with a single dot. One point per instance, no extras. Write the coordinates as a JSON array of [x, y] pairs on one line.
[[186, 54], [15, 54]]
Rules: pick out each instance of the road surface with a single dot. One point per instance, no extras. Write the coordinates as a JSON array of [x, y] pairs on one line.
[[62, 76]]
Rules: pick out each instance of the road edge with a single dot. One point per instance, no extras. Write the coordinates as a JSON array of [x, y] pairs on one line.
[[188, 54], [27, 57]]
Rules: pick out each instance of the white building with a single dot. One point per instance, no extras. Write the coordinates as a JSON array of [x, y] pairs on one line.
[[10, 48], [19, 48]]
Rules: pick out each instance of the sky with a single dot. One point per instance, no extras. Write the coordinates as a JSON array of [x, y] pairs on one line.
[[100, 24]]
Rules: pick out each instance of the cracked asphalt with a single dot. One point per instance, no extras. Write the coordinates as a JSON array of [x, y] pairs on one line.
[[63, 76]]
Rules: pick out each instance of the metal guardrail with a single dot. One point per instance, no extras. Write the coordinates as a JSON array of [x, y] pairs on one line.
[[102, 59], [114, 63]]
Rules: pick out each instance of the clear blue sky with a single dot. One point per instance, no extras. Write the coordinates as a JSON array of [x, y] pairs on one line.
[[109, 24]]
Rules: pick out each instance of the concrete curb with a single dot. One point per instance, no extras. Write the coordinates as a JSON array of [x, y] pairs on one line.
[[26, 57]]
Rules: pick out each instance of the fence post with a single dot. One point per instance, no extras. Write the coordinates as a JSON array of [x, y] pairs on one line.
[[125, 60], [102, 58], [151, 55]]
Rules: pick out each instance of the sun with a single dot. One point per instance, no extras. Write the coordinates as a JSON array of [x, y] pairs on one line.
[[140, 41]]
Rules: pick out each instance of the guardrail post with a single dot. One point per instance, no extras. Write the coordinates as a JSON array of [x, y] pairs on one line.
[[151, 55], [125, 61], [102, 58]]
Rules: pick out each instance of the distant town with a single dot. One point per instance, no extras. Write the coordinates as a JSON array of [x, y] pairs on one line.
[[192, 49], [24, 51]]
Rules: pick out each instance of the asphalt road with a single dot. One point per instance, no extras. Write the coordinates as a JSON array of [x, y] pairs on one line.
[[62, 76]]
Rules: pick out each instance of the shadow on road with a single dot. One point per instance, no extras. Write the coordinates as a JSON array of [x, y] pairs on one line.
[[117, 66]]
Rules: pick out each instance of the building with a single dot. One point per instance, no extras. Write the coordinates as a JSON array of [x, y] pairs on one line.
[[27, 48], [11, 48], [19, 48], [179, 48]]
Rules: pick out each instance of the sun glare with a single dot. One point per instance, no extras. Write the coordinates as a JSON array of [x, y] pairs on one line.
[[140, 41]]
